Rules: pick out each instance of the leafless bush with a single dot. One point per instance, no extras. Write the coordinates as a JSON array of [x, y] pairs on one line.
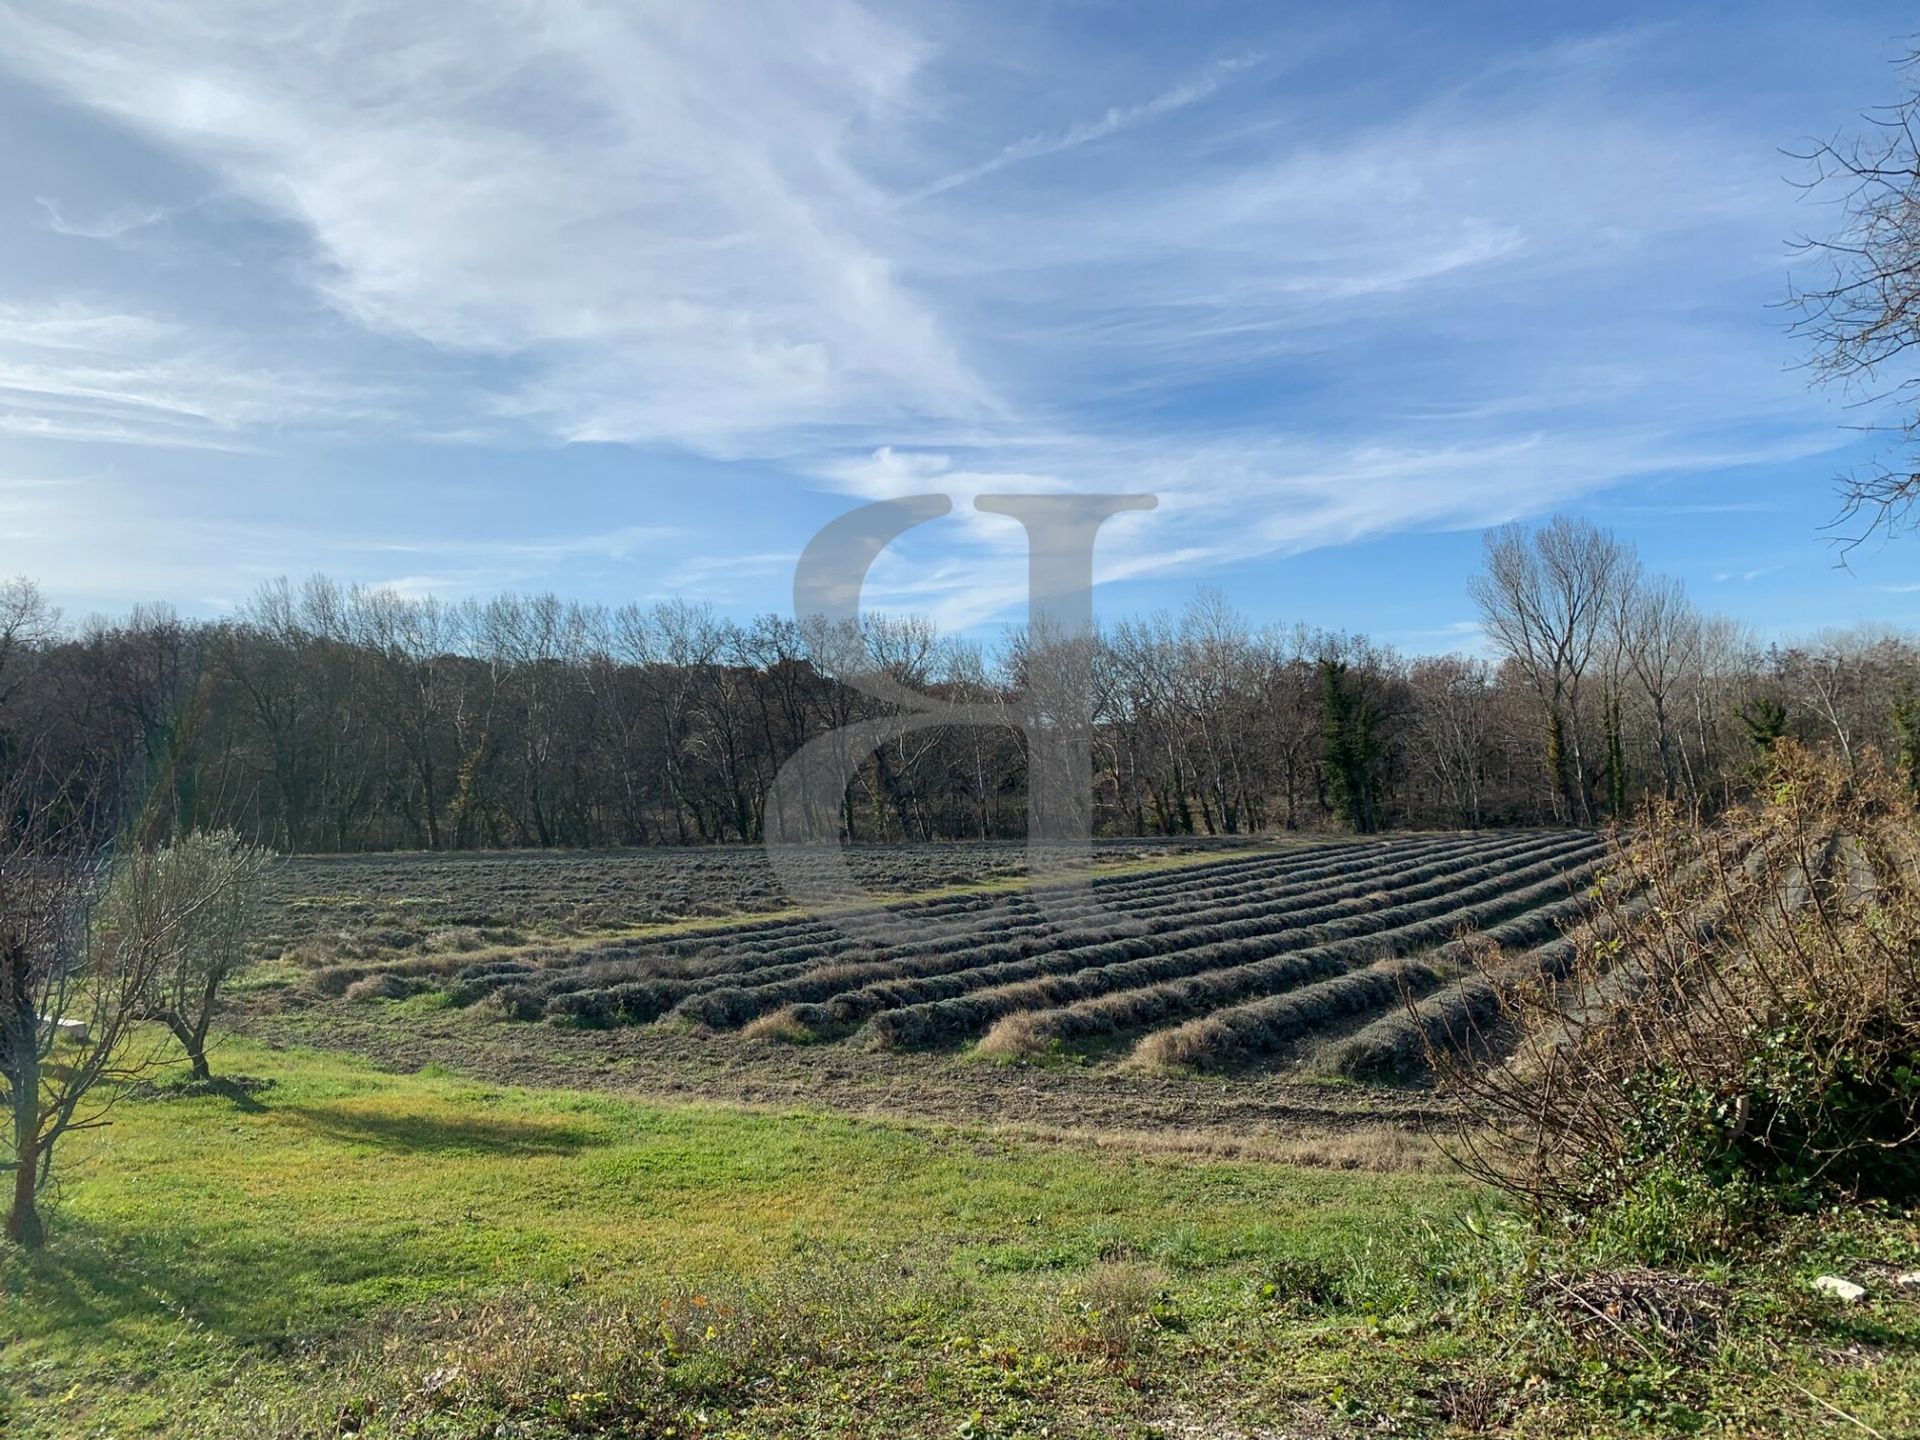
[[1742, 1008]]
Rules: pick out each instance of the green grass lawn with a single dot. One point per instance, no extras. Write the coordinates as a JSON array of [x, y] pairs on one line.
[[198, 1234], [334, 1234]]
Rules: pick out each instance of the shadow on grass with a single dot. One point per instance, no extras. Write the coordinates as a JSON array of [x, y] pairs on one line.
[[142, 1296], [242, 1090], [430, 1134], [262, 1288]]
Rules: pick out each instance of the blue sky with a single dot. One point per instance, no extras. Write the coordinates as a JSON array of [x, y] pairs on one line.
[[627, 301]]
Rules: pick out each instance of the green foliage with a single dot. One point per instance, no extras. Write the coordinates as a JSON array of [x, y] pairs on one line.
[[184, 915], [1765, 723], [1616, 757], [1351, 748], [1821, 1114], [1674, 1213], [1906, 730]]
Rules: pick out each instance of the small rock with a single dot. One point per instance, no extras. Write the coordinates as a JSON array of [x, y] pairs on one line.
[[1909, 1281], [1844, 1291]]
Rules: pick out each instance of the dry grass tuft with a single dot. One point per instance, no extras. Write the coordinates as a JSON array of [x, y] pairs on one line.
[[1115, 1311], [784, 1026], [1624, 1311], [1015, 1037], [379, 987]]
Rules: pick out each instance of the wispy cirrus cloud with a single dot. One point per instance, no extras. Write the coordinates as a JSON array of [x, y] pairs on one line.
[[1085, 132], [612, 545], [111, 226], [656, 210], [1306, 292], [79, 373]]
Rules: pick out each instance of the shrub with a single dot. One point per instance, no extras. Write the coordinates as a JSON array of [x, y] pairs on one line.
[[1769, 1034], [788, 1026], [456, 937], [591, 1009]]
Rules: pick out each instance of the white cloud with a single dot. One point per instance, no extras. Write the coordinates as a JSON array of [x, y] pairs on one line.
[[71, 372], [764, 232], [656, 201], [612, 545], [1085, 132], [1225, 501], [107, 227]]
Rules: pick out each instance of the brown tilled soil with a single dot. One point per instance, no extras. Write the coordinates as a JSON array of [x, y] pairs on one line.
[[1254, 1116]]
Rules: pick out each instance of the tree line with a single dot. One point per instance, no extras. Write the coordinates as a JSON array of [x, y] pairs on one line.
[[322, 717]]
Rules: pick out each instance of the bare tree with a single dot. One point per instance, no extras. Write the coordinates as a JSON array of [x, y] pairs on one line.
[[1215, 661], [1861, 317], [69, 1008], [410, 642], [26, 620], [1145, 655], [1660, 634], [1452, 720], [1546, 599], [982, 750]]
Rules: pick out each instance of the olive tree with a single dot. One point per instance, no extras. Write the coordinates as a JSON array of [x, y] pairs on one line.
[[190, 907], [90, 954]]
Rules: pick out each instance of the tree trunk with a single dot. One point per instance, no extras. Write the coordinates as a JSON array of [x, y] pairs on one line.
[[1557, 763], [194, 1041], [23, 1219]]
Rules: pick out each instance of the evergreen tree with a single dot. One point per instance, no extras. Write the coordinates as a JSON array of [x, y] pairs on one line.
[[1352, 749], [1906, 729], [1616, 758], [1765, 722]]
